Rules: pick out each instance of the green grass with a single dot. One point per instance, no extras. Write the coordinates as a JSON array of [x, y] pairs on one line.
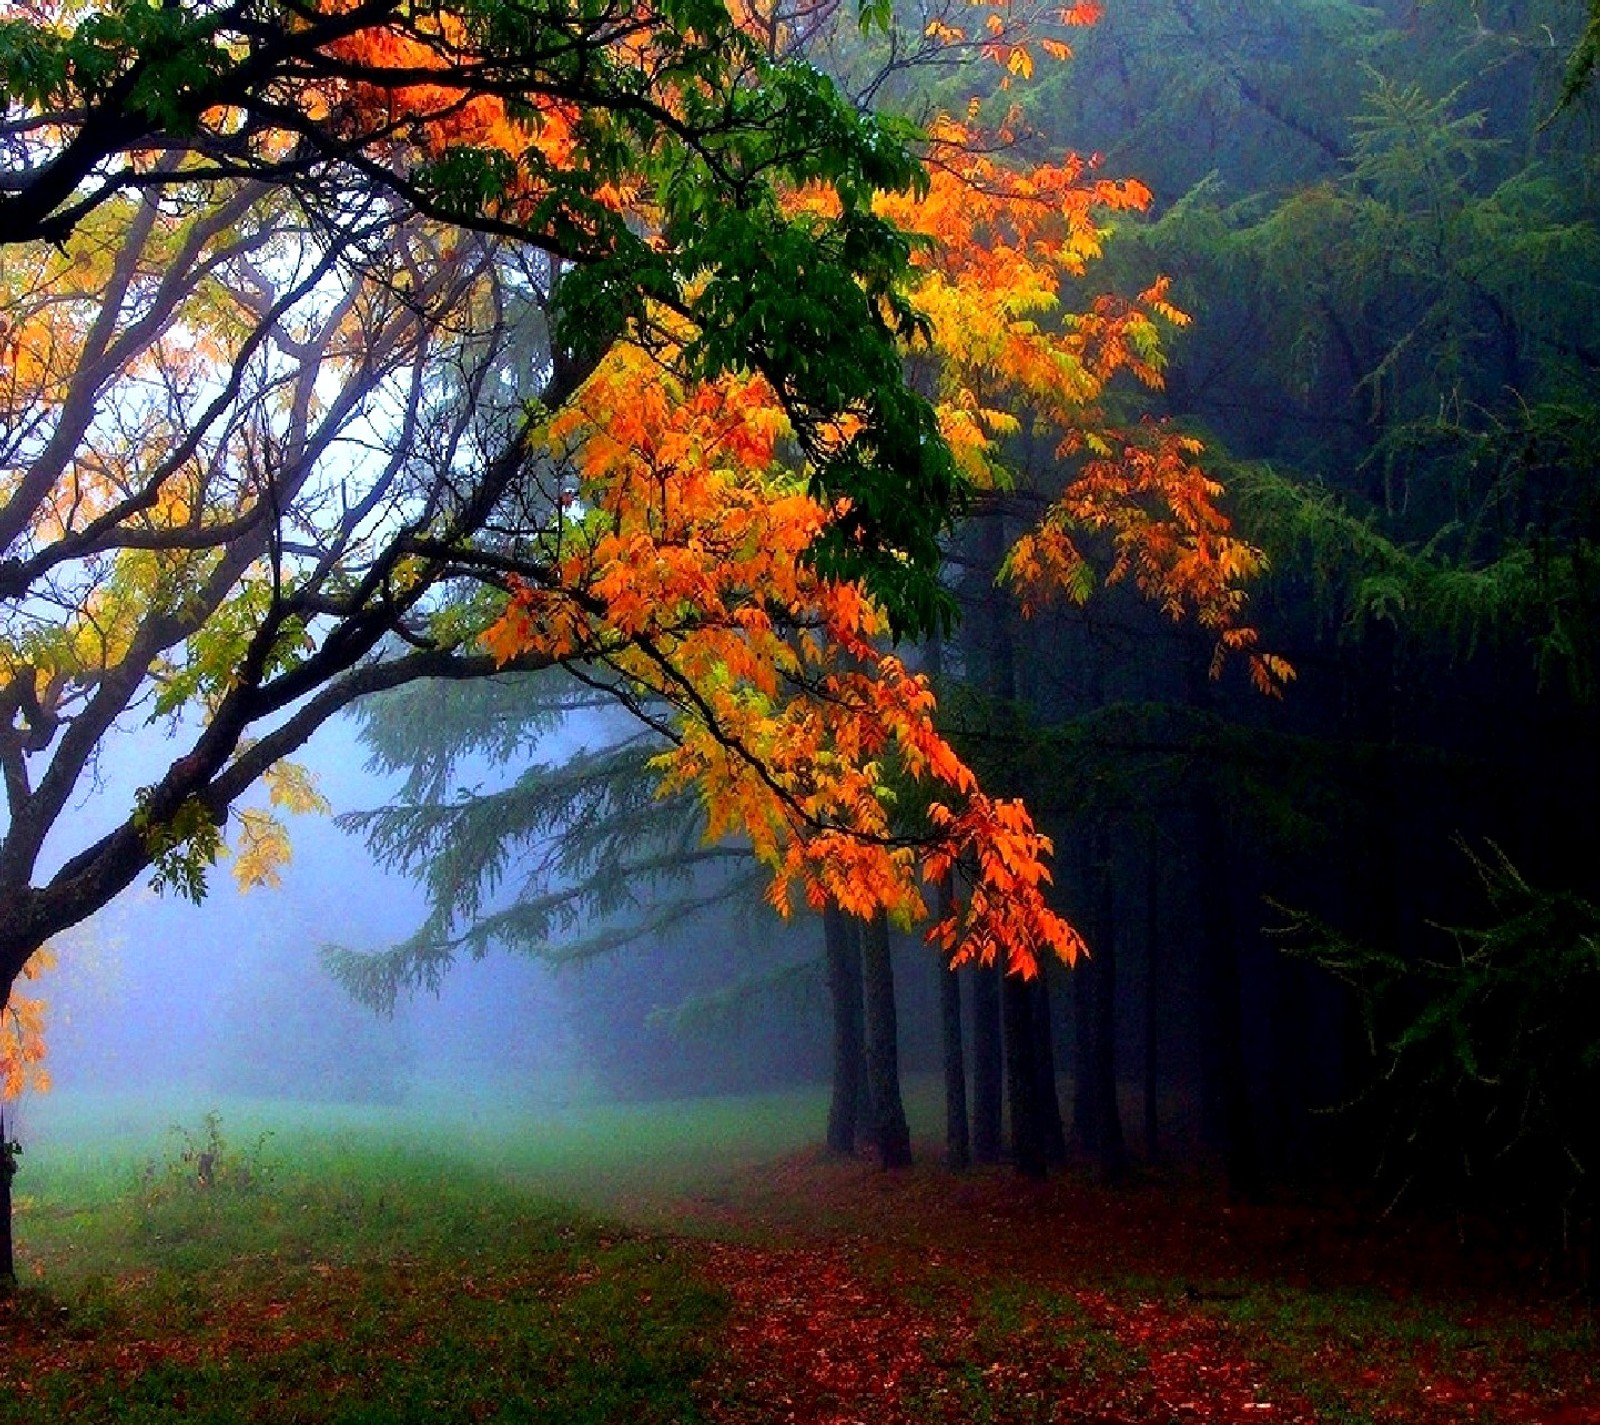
[[591, 1154], [344, 1267]]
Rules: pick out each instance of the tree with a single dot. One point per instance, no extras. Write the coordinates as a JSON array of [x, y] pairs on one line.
[[357, 218], [662, 536], [256, 254]]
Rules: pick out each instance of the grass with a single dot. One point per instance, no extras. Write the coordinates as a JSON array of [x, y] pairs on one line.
[[330, 1274], [344, 1266]]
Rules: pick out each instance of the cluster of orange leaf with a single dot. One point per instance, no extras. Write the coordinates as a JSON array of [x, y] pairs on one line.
[[682, 572], [682, 568], [1003, 245], [22, 1044], [405, 82]]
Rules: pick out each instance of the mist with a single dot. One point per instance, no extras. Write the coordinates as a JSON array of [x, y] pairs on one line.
[[161, 1010], [1095, 509]]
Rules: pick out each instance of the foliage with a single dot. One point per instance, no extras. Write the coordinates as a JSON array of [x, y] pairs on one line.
[[1487, 1063], [22, 1041], [259, 244], [592, 856], [1530, 601], [1583, 60], [686, 581], [553, 126], [205, 328], [202, 1159], [1416, 373]]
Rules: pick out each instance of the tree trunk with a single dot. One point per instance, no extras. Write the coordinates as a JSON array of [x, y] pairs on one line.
[[883, 1047], [8, 1170], [1111, 1148], [1225, 1094], [957, 1138], [1044, 1061], [1084, 1126], [843, 948], [1152, 948], [1226, 1115], [987, 1106], [1096, 1119], [1022, 1077]]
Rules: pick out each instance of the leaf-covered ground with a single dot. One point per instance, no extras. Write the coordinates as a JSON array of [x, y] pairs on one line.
[[803, 1290], [859, 1296]]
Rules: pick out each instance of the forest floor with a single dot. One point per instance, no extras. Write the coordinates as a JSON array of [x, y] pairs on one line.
[[363, 1282], [862, 1296]]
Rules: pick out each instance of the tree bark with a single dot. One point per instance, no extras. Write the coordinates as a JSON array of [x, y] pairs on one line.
[[843, 949], [8, 1170], [1111, 1151], [883, 1046], [1044, 1051], [1225, 1095], [1022, 1077], [957, 1135], [1226, 1106], [1096, 1118], [987, 1103]]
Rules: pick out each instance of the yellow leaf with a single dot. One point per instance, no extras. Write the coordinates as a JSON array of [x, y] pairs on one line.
[[294, 788], [262, 849]]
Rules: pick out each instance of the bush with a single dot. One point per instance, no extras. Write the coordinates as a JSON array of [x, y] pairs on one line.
[[1487, 1057], [203, 1160]]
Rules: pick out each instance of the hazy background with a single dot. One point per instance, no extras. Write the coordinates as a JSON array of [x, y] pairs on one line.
[[160, 1007]]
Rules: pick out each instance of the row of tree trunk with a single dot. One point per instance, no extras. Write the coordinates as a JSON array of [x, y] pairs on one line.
[[999, 1061], [1012, 1057]]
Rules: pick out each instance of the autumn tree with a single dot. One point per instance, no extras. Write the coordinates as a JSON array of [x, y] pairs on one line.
[[691, 507], [229, 488], [267, 269]]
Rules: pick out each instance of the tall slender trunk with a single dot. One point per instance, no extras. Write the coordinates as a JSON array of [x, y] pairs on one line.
[[1152, 1024], [1113, 1152], [1226, 1115], [957, 1137], [8, 1170], [1084, 1124], [1022, 1077], [987, 1103], [883, 1046], [843, 948], [1097, 1120], [1052, 1131], [1225, 1094]]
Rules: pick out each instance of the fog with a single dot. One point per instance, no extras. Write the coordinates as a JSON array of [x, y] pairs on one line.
[[161, 1010], [1406, 428]]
